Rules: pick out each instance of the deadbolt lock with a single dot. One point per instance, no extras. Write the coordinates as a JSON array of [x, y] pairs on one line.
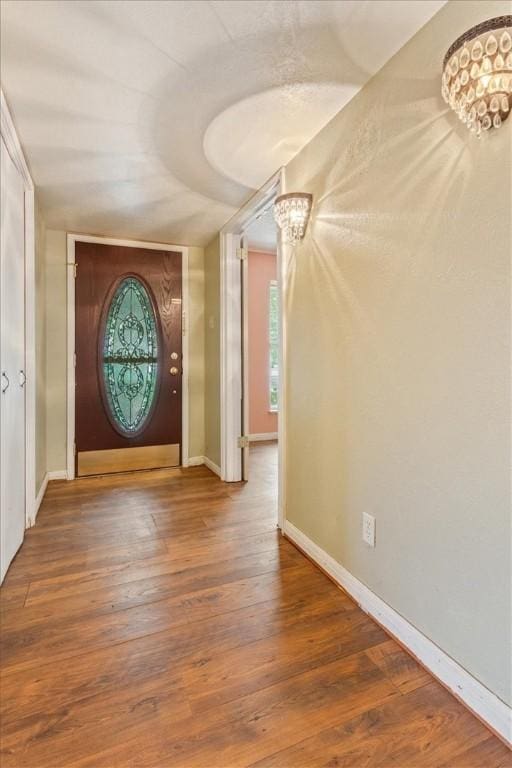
[[173, 371], [174, 355]]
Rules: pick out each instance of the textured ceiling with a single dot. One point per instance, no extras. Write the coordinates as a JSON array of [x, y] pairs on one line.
[[156, 120]]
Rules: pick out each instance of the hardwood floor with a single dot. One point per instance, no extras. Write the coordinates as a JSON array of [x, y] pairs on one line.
[[158, 619]]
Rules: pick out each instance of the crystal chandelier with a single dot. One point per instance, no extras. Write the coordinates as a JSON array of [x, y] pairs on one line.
[[291, 212], [477, 76]]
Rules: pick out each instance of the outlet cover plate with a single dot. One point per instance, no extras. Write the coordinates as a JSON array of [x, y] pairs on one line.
[[368, 529]]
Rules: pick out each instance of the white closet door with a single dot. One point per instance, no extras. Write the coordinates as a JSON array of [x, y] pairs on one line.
[[12, 361]]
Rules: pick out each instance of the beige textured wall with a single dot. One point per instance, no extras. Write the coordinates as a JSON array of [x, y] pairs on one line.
[[40, 341], [196, 351], [56, 293], [55, 350], [212, 350], [398, 318]]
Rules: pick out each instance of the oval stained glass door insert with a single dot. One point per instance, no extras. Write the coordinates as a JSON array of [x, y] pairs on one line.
[[129, 351]]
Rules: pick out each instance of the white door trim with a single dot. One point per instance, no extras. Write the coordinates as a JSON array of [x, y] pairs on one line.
[[244, 287], [230, 339], [230, 359], [13, 146], [76, 238]]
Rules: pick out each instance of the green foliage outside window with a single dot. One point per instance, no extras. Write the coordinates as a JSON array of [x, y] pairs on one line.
[[274, 346]]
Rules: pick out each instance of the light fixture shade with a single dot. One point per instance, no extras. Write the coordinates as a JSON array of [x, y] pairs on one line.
[[477, 76], [291, 212]]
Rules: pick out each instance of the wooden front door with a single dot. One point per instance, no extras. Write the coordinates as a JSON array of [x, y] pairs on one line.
[[128, 333]]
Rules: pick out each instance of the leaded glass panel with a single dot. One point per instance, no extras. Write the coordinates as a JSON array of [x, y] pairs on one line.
[[130, 356]]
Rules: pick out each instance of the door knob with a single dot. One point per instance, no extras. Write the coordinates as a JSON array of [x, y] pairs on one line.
[[5, 382], [173, 371], [23, 378]]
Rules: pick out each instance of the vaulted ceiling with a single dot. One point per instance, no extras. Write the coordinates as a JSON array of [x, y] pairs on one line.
[[157, 120]]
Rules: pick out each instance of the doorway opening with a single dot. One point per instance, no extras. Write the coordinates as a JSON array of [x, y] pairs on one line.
[[260, 318], [252, 341]]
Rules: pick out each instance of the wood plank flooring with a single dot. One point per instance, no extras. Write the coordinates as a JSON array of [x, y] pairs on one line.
[[159, 620]]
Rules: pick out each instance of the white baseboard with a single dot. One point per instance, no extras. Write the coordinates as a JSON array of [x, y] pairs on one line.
[[39, 498], [211, 465], [261, 436], [58, 474], [479, 699], [194, 461]]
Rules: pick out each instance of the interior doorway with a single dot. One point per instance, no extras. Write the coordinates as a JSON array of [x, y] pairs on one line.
[[253, 394], [260, 318]]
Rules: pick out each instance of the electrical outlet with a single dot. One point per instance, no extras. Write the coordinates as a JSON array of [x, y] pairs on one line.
[[369, 529]]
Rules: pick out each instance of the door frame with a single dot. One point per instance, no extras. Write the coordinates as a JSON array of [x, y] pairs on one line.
[[73, 238], [230, 340], [12, 143]]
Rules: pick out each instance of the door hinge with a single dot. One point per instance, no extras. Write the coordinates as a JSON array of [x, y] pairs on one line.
[[241, 253], [74, 449], [74, 359], [243, 442]]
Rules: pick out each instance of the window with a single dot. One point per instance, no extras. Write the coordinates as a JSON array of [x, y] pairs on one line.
[[273, 326], [130, 357]]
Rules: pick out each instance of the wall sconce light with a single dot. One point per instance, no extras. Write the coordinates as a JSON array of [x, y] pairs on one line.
[[291, 212], [477, 76]]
